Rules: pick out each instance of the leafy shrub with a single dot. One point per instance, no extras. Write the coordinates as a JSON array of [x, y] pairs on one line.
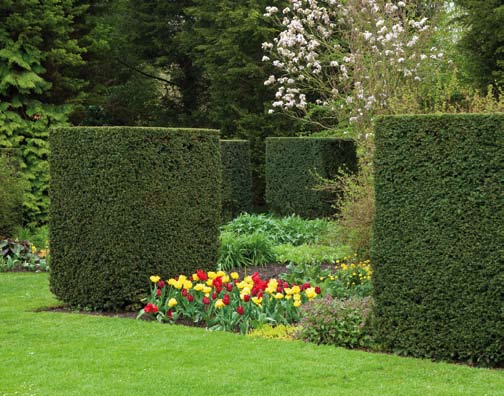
[[336, 322], [236, 178], [310, 254], [291, 229], [37, 236], [21, 255], [355, 207], [293, 166], [127, 202], [238, 251], [438, 236], [11, 195]]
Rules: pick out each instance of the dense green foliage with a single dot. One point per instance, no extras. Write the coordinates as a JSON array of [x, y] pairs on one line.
[[483, 40], [38, 56], [294, 167], [251, 240], [439, 236], [236, 178], [280, 230], [127, 203], [224, 41], [11, 193]]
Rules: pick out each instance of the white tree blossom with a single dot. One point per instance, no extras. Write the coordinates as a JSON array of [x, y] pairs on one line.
[[349, 56]]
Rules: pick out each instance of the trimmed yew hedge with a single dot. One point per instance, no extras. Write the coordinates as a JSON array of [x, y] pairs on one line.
[[127, 203], [438, 249], [236, 178], [292, 166]]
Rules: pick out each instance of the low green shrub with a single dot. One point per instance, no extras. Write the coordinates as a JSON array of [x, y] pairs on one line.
[[280, 230], [310, 254], [21, 256], [336, 322], [237, 251], [37, 236]]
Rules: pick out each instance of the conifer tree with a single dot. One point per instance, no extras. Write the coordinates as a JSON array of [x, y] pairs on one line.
[[38, 54]]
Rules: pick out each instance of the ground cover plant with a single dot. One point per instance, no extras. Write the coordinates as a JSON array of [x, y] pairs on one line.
[[123, 357]]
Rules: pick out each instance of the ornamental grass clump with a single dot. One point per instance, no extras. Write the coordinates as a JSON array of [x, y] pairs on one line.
[[223, 301], [339, 322]]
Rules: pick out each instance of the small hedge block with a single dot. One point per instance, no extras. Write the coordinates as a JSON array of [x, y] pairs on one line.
[[438, 249], [236, 178], [292, 166], [127, 203]]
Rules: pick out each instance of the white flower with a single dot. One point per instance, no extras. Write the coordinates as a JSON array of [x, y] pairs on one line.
[[401, 4], [271, 80], [265, 59]]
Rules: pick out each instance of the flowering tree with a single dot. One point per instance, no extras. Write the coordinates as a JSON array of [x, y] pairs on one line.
[[348, 58]]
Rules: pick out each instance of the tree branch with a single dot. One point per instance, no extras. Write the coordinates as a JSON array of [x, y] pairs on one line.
[[148, 75]]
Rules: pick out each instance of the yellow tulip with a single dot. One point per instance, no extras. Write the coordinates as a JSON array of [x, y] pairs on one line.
[[279, 296], [310, 293], [155, 278], [234, 275], [212, 275], [219, 303], [297, 304], [172, 302]]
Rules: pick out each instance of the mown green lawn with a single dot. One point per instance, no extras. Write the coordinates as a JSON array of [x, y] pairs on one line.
[[51, 354]]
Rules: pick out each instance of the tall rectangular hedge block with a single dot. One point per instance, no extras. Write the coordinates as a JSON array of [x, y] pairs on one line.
[[127, 203], [292, 166], [236, 178], [438, 248]]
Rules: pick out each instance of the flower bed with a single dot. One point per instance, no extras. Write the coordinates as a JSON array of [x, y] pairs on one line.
[[225, 302]]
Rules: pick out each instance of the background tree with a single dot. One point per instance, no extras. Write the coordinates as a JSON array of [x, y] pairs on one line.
[[224, 41], [482, 41], [38, 57]]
